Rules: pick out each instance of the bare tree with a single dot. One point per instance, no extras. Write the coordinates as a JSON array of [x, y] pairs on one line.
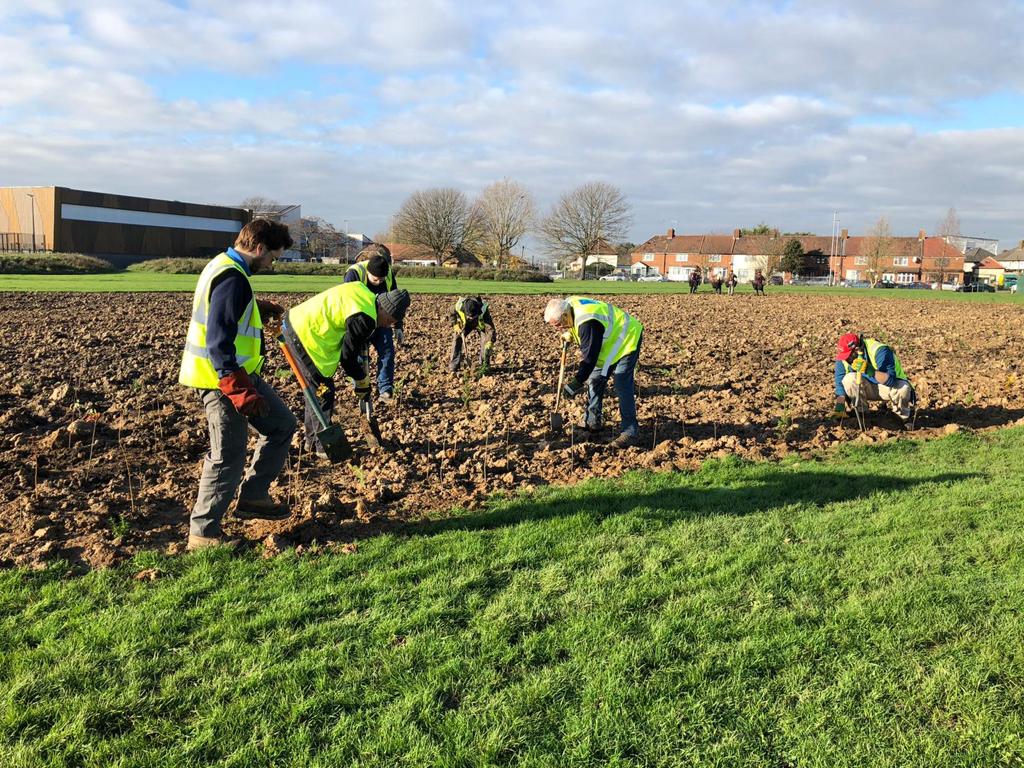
[[950, 226], [505, 211], [584, 217], [319, 238], [440, 219], [260, 206], [770, 248], [877, 249]]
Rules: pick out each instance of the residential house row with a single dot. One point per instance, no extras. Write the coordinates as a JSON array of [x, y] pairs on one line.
[[908, 260]]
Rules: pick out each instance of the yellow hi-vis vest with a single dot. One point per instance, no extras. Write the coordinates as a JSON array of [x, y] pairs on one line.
[[873, 347], [196, 367], [360, 269], [462, 315], [319, 322], [621, 329]]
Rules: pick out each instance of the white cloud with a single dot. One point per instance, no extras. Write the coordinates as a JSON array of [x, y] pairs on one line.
[[713, 115]]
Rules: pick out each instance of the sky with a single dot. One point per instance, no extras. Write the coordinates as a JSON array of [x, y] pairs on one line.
[[709, 116]]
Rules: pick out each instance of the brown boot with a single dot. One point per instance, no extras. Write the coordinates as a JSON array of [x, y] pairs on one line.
[[260, 509], [624, 441], [209, 542]]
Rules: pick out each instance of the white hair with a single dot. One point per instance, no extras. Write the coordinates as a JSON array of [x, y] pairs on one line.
[[555, 310]]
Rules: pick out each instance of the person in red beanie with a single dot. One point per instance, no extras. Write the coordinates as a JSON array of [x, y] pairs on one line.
[[881, 377]]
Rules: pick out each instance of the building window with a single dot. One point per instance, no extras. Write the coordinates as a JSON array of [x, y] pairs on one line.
[[677, 271], [682, 257], [861, 260], [889, 277], [905, 277], [715, 257], [648, 257], [900, 261]]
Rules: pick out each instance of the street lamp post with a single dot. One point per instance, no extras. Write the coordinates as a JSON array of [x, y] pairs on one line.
[[33, 207]]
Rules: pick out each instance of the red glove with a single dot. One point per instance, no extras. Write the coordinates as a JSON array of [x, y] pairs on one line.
[[237, 387]]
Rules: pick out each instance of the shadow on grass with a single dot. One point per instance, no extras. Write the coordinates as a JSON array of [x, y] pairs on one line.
[[755, 492]]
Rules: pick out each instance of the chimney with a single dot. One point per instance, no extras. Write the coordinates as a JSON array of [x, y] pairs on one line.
[[1021, 246], [735, 234], [920, 235], [671, 232], [844, 234]]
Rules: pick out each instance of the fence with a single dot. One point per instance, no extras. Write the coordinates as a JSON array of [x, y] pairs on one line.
[[18, 242]]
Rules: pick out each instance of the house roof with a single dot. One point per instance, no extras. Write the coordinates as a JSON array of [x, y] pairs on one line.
[[406, 252], [978, 255], [990, 263]]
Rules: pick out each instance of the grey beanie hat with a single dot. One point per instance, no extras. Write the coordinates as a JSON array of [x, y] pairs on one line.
[[395, 303]]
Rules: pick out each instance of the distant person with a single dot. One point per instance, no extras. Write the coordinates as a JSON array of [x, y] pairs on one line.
[[373, 269], [882, 377], [716, 284], [471, 314], [758, 283], [731, 282], [609, 340], [694, 280], [222, 362]]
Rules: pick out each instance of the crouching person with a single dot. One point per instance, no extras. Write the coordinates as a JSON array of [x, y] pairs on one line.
[[335, 328], [471, 314], [224, 354], [868, 370]]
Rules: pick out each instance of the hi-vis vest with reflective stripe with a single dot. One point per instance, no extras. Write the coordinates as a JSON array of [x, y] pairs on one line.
[[319, 322], [621, 329], [360, 269], [462, 315], [196, 368], [872, 347]]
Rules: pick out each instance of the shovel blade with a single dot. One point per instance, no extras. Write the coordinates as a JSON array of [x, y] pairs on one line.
[[336, 445], [557, 422]]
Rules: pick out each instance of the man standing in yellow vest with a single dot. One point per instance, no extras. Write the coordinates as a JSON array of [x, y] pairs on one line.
[[609, 340], [224, 353], [332, 329], [373, 269], [866, 370]]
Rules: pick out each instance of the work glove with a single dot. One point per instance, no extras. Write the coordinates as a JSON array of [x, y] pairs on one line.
[[839, 412], [238, 388], [269, 309], [567, 337], [572, 388], [399, 336], [859, 365], [362, 389]]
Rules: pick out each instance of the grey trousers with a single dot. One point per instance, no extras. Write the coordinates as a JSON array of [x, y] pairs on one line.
[[224, 466]]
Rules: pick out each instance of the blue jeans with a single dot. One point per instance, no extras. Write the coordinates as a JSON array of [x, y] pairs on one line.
[[625, 390], [383, 341]]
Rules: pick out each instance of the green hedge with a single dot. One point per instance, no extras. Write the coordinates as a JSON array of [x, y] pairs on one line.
[[195, 266], [51, 264]]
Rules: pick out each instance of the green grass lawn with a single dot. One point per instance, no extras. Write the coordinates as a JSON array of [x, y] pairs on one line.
[[145, 281], [860, 610]]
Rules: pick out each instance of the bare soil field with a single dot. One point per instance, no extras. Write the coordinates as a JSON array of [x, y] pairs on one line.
[[100, 449]]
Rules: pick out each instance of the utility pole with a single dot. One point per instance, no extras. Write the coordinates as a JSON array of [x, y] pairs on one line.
[[346, 241], [33, 207]]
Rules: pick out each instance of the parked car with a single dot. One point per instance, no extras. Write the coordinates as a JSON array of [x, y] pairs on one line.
[[614, 277], [855, 284], [915, 286], [885, 284], [775, 280], [652, 279], [976, 288]]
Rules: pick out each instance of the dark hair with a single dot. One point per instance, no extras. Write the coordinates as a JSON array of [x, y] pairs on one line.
[[271, 234], [377, 266], [473, 306]]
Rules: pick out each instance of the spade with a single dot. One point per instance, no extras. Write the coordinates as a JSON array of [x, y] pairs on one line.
[[557, 422]]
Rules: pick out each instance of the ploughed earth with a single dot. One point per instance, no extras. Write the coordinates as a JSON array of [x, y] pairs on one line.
[[100, 448]]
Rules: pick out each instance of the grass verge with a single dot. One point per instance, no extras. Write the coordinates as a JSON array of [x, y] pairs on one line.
[[861, 610], [138, 282]]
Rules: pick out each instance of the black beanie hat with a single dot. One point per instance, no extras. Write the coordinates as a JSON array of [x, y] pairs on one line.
[[394, 303]]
